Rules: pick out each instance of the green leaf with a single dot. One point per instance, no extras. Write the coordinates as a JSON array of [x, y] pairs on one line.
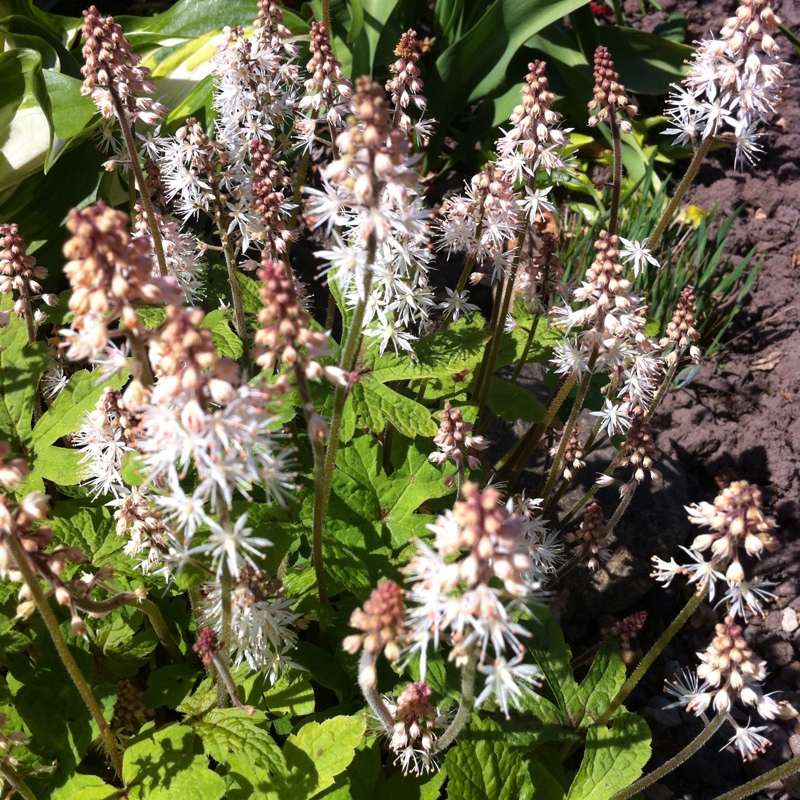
[[69, 733], [72, 112], [552, 655], [162, 765], [613, 759], [601, 684], [356, 22], [647, 63], [293, 696], [316, 754], [25, 122], [238, 741], [21, 368], [225, 340], [78, 397], [168, 686], [482, 767], [85, 787], [511, 402], [475, 64], [378, 403], [366, 497], [438, 355], [251, 292]]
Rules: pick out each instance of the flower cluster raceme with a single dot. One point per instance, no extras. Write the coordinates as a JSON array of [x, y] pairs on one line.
[[733, 85], [371, 191], [413, 733], [406, 86], [472, 602], [20, 276], [109, 271], [591, 539], [455, 442], [729, 670], [262, 624], [113, 73], [610, 99]]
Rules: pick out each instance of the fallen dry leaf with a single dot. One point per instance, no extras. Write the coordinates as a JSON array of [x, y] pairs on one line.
[[768, 361]]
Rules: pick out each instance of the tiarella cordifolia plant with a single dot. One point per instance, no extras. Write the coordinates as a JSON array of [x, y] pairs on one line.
[[237, 472]]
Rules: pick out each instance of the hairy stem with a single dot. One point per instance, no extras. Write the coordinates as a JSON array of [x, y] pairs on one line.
[[683, 186], [366, 680], [577, 405], [139, 353], [15, 782], [652, 655], [225, 590], [51, 623], [616, 186], [226, 681], [322, 488], [155, 231], [675, 761], [318, 448], [751, 787], [509, 467], [464, 708]]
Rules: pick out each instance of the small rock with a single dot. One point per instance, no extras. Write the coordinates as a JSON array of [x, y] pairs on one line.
[[794, 743], [789, 621]]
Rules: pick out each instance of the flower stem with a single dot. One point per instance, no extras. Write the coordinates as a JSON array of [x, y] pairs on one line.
[[675, 761], [569, 426], [139, 353], [151, 610], [616, 186], [226, 681], [683, 186], [751, 787], [225, 588], [155, 231], [652, 655], [51, 623], [15, 782], [528, 344], [366, 672], [322, 488], [464, 707], [497, 328], [509, 467], [318, 448]]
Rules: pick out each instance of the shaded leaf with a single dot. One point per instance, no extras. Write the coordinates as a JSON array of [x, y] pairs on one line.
[[613, 759]]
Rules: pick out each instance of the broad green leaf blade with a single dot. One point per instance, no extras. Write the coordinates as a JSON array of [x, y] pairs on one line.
[[162, 765], [438, 355], [188, 19], [475, 65], [21, 368], [26, 128], [225, 340], [238, 741], [511, 402], [601, 684], [293, 696], [380, 404], [552, 655], [85, 787], [72, 113], [613, 759], [482, 766], [78, 397], [316, 754]]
